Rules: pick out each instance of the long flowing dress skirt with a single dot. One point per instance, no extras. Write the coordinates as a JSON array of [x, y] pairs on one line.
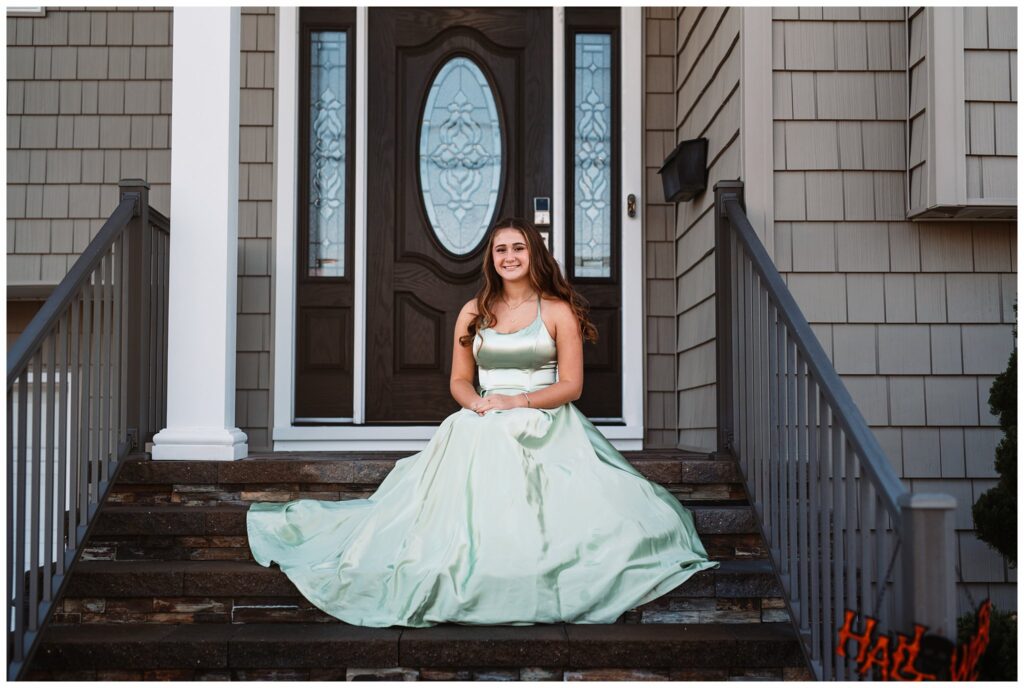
[[515, 517]]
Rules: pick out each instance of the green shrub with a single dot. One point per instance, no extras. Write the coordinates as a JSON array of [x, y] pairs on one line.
[[999, 661], [995, 512]]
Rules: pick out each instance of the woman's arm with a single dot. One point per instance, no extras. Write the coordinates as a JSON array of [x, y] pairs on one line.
[[569, 341], [463, 365]]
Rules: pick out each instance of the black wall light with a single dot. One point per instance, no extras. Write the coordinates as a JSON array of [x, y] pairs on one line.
[[684, 175]]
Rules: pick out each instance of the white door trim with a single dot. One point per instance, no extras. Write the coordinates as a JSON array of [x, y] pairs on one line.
[[289, 437]]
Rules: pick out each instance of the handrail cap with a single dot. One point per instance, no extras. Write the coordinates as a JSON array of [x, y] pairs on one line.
[[926, 500]]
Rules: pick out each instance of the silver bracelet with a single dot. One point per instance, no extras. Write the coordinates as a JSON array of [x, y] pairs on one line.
[[527, 400]]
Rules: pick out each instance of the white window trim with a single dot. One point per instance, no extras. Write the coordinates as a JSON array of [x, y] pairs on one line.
[[289, 437]]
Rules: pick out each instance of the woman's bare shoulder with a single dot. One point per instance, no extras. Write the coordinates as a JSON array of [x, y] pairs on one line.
[[556, 305]]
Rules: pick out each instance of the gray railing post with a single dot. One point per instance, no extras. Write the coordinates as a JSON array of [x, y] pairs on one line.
[[927, 582], [137, 326], [724, 190]]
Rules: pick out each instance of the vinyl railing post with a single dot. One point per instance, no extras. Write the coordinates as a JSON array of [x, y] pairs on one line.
[[137, 321], [928, 563], [724, 190]]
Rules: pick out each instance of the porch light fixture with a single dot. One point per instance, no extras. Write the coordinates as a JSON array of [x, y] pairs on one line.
[[684, 175]]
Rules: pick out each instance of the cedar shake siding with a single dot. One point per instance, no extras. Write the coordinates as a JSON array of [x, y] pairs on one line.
[[707, 105], [659, 265], [89, 103], [915, 315], [257, 145]]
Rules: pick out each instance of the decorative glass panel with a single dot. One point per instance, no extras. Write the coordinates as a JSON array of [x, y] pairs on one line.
[[328, 119], [592, 219], [460, 155]]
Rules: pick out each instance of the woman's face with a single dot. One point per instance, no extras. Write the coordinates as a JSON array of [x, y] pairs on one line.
[[510, 254]]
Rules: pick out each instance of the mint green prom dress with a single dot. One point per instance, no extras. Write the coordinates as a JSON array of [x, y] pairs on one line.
[[515, 517]]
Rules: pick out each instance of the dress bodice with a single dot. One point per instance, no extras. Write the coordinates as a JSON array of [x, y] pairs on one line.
[[523, 360]]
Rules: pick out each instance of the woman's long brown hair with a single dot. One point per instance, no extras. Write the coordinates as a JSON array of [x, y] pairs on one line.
[[545, 277]]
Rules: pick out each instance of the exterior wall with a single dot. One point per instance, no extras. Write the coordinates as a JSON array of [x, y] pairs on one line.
[[257, 144], [990, 92], [88, 104], [708, 67], [915, 315], [659, 307]]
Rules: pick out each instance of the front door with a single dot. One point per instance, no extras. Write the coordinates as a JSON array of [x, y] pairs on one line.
[[460, 134]]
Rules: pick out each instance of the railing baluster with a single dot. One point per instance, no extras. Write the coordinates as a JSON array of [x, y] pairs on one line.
[[839, 536], [36, 470], [778, 524], [744, 370], [772, 508], [117, 277], [105, 425], [791, 461], [852, 523], [23, 524], [736, 319], [828, 429], [755, 394], [866, 494], [85, 406], [801, 486], [881, 560], [123, 244], [74, 446], [782, 470], [813, 459], [51, 401], [62, 442], [13, 522], [95, 383]]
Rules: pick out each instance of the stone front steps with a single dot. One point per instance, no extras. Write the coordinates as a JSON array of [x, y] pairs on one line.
[[245, 592], [339, 652], [167, 589]]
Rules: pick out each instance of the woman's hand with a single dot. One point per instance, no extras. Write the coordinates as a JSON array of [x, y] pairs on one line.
[[497, 402]]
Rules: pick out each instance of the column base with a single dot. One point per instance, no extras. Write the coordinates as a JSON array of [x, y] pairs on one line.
[[200, 444]]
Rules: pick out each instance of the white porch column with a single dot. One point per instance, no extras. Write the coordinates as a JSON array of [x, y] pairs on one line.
[[204, 239]]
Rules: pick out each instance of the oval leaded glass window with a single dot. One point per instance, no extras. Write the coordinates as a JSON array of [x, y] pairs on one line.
[[460, 155]]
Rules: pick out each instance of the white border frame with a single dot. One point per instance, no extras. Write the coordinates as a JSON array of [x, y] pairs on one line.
[[286, 435]]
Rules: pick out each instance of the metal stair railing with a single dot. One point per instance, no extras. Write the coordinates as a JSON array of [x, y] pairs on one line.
[[842, 530], [86, 385]]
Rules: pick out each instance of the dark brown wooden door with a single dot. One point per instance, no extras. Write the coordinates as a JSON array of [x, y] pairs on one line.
[[416, 282]]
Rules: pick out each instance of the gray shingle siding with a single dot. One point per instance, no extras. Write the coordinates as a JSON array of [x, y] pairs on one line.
[[80, 116], [914, 314], [659, 297]]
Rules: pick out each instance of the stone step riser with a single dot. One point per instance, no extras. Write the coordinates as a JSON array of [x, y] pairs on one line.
[[556, 647], [429, 674], [370, 470], [215, 592], [290, 610], [689, 494], [117, 521], [722, 547]]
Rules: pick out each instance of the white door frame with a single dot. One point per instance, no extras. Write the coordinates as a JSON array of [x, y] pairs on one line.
[[356, 436]]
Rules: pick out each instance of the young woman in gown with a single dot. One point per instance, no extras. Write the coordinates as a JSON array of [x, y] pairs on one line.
[[518, 511]]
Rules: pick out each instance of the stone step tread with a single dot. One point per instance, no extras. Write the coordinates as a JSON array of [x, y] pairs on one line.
[[371, 469], [230, 520], [98, 579], [154, 646]]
